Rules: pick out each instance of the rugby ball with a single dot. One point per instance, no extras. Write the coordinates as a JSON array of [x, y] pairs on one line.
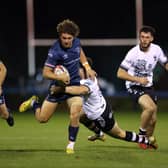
[[59, 69]]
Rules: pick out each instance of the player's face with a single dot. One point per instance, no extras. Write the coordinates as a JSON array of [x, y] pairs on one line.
[[145, 40], [66, 40]]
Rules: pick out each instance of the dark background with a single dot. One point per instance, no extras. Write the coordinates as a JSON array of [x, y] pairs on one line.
[[96, 20]]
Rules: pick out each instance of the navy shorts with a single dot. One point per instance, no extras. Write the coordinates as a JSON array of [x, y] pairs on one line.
[[137, 91]]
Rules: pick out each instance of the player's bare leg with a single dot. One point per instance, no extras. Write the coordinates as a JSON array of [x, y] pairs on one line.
[[151, 126], [148, 114], [42, 113], [75, 105], [129, 136], [46, 111], [6, 114], [148, 117]]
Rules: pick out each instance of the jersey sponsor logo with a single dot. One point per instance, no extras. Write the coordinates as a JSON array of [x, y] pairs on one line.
[[140, 65], [50, 55], [140, 68], [65, 56]]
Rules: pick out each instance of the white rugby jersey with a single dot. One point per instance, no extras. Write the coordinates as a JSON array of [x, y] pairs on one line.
[[142, 64], [94, 103]]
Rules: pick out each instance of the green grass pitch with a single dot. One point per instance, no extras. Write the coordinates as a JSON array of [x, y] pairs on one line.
[[30, 144]]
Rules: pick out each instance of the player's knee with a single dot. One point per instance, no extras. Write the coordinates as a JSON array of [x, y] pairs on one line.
[[152, 108], [76, 108], [74, 116]]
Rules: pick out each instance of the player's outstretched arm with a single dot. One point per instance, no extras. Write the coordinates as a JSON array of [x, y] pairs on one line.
[[77, 90], [74, 90]]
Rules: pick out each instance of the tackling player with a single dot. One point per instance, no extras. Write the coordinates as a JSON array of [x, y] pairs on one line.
[[137, 70], [66, 51], [97, 114]]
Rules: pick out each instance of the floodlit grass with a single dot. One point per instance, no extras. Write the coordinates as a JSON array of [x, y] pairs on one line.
[[31, 145]]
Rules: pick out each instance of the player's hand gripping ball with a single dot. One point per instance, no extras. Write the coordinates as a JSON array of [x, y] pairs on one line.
[[60, 70]]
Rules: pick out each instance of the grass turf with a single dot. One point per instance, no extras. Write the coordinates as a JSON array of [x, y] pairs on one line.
[[30, 144]]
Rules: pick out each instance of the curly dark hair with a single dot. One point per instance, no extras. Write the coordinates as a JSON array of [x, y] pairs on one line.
[[68, 26]]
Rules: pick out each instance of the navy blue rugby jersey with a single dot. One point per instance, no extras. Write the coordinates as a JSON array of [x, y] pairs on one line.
[[68, 57]]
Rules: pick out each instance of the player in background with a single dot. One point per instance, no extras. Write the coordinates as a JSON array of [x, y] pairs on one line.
[[97, 114], [4, 111], [137, 70], [66, 51]]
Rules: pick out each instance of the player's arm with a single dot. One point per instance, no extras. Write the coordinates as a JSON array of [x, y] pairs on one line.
[[90, 72], [73, 90], [3, 72], [84, 61], [48, 73], [77, 90], [123, 74]]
